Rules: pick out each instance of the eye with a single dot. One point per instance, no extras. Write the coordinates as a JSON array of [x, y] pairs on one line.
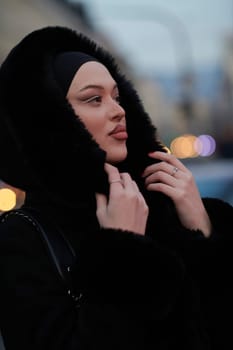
[[118, 99]]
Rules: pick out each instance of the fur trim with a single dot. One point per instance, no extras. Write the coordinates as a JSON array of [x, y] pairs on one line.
[[47, 145]]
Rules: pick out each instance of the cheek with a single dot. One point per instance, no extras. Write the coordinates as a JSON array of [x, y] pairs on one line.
[[100, 137], [95, 123], [96, 127], [90, 120]]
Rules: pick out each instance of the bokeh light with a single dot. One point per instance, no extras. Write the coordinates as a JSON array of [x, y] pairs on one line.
[[183, 146], [205, 145], [167, 149], [190, 146], [7, 199]]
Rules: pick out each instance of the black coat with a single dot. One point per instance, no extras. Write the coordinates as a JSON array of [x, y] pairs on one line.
[[169, 288]]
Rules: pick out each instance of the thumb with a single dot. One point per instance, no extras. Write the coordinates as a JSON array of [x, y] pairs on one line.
[[101, 201]]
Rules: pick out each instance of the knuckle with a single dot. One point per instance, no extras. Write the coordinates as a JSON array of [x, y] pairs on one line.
[[125, 174], [172, 157], [120, 195], [159, 186], [160, 174], [188, 183], [181, 195], [99, 212], [146, 209], [132, 196], [163, 166], [189, 175]]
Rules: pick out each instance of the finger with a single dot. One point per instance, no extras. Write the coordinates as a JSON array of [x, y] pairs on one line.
[[127, 181], [112, 172], [113, 175], [162, 167], [175, 172], [169, 158], [140, 195], [135, 186], [166, 189], [168, 169], [161, 177], [101, 200]]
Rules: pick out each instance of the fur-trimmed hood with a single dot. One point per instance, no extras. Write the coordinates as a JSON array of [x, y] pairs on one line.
[[44, 146]]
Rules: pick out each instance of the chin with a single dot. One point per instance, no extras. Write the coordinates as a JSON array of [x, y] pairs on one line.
[[116, 157]]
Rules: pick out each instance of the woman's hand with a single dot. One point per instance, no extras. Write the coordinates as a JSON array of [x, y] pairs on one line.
[[173, 179], [125, 208]]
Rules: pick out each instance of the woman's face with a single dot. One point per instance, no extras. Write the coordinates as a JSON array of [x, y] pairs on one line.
[[94, 97]]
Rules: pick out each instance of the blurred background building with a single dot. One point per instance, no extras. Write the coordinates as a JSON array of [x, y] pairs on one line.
[[178, 53]]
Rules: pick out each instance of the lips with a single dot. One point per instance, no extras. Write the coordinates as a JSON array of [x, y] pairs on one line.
[[119, 132]]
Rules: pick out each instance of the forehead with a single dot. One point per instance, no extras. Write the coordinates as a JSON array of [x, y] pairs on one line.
[[93, 73]]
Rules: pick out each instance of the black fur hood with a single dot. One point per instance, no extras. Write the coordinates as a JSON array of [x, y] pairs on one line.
[[44, 146]]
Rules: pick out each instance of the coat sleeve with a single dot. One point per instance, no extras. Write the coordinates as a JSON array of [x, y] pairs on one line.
[[197, 251], [208, 261]]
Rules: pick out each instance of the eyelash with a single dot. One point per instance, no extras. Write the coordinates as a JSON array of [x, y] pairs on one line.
[[118, 99], [94, 99], [98, 99]]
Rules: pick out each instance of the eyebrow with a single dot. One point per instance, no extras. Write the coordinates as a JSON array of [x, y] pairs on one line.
[[93, 86]]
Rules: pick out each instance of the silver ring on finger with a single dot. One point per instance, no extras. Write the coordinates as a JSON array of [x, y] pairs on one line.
[[174, 171]]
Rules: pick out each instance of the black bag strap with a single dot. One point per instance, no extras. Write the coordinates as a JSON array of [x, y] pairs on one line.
[[59, 249]]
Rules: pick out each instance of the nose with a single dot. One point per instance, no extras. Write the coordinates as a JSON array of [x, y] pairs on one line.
[[117, 111]]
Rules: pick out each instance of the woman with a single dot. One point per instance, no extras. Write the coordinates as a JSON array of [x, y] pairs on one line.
[[154, 260]]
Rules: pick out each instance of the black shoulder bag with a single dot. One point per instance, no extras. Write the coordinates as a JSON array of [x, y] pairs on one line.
[[58, 248]]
